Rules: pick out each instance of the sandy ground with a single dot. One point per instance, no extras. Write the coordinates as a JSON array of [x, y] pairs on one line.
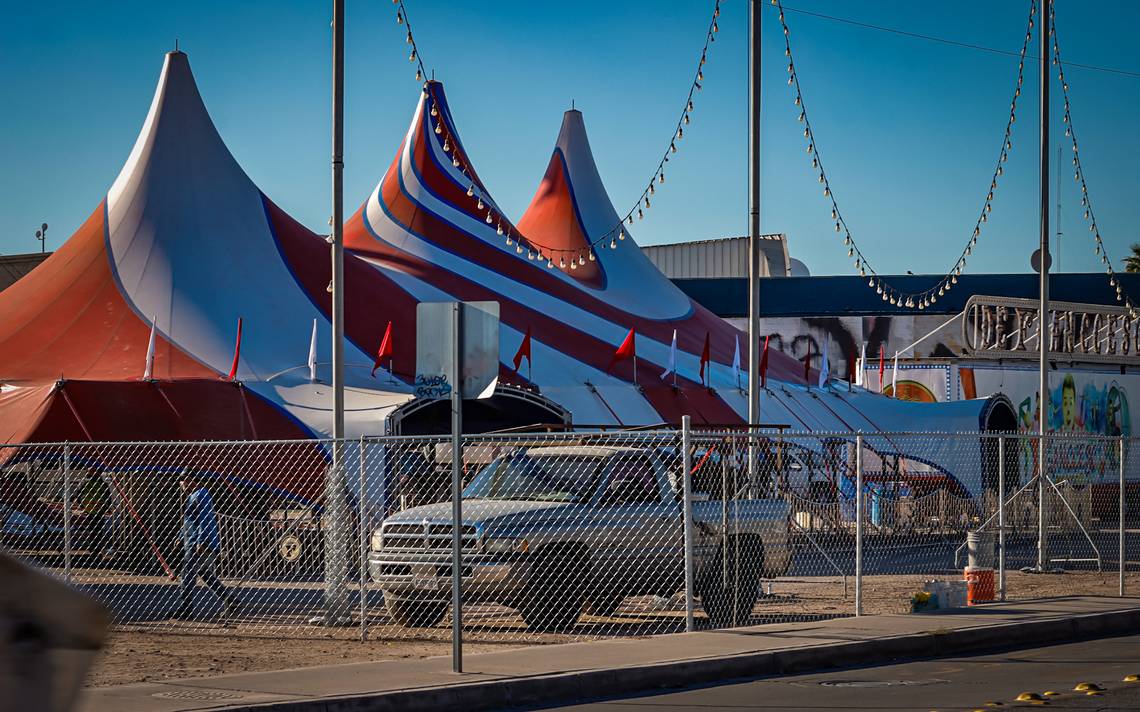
[[139, 654]]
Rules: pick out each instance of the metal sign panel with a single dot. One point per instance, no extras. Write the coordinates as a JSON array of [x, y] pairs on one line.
[[1003, 327], [435, 344]]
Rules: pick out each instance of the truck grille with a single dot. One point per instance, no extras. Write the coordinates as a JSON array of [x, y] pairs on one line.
[[425, 537]]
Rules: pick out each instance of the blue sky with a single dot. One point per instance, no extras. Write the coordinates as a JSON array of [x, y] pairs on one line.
[[908, 129]]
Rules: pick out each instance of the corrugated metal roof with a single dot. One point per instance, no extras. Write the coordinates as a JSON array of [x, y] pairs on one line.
[[850, 296], [720, 258]]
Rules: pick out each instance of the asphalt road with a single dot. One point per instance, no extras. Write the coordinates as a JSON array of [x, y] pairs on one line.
[[961, 683]]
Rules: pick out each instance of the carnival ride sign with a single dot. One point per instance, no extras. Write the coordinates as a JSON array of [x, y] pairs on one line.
[[1003, 327]]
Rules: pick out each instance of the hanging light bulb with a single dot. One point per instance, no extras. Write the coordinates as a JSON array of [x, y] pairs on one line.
[[409, 37], [573, 264], [581, 259], [647, 202], [562, 262], [933, 298], [686, 119], [399, 18], [909, 303], [621, 234], [550, 263], [826, 192], [329, 288], [879, 289], [858, 264], [479, 204], [680, 133], [892, 300], [850, 251], [871, 282], [488, 217], [690, 106], [837, 227], [446, 144], [412, 55], [652, 188], [884, 297], [419, 75], [455, 160], [661, 177], [613, 244], [640, 215], [592, 258], [439, 128], [673, 147], [953, 280], [940, 292], [470, 190], [834, 214], [530, 255], [499, 231]]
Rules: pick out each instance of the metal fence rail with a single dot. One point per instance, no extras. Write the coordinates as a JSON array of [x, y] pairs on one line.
[[571, 535]]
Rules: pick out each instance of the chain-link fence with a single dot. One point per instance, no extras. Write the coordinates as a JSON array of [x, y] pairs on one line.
[[570, 536]]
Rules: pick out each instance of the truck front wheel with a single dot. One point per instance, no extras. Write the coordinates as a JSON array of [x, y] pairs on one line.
[[412, 613], [729, 583], [554, 597]]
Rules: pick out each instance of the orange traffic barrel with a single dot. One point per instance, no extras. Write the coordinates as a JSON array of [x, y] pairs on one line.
[[980, 586]]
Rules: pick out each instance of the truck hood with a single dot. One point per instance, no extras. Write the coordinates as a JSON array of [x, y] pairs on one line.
[[475, 511]]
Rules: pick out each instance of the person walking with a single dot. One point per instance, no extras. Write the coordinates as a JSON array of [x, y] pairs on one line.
[[200, 545]]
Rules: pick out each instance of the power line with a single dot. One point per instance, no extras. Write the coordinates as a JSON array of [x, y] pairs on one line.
[[952, 43]]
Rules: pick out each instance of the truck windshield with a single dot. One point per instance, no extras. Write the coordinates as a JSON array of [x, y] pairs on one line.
[[550, 478]]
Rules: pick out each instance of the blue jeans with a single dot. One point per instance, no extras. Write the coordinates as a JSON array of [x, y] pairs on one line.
[[195, 564]]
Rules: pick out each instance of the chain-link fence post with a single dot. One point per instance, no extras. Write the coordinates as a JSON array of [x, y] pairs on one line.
[[66, 468], [1001, 517], [1121, 513], [362, 524], [858, 525], [1042, 534], [687, 513]]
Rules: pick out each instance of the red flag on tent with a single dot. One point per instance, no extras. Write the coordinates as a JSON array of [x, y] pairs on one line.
[[882, 365], [705, 358], [764, 364], [524, 350], [851, 367], [628, 349], [385, 349], [807, 364], [237, 353]]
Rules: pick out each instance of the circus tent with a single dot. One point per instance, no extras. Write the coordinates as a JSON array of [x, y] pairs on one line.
[[185, 244]]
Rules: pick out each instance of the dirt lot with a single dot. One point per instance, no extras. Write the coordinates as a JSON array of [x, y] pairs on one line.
[[142, 654], [144, 657]]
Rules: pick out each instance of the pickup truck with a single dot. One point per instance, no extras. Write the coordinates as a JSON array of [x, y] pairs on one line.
[[554, 531]]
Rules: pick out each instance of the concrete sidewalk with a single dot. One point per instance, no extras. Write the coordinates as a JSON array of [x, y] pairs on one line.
[[558, 673]]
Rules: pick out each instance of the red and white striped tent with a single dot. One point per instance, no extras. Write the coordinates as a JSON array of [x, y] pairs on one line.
[[185, 241]]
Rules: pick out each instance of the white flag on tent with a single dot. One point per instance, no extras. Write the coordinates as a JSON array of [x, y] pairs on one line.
[[313, 354], [895, 377], [861, 367], [824, 367], [148, 369], [672, 365], [736, 361]]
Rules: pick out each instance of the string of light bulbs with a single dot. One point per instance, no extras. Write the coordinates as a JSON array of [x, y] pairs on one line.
[[889, 293], [1079, 176], [536, 250]]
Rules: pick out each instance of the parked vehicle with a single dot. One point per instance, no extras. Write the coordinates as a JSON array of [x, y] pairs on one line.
[[551, 530]]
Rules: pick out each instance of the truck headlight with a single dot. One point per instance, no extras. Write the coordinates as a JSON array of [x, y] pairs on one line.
[[377, 541], [506, 546]]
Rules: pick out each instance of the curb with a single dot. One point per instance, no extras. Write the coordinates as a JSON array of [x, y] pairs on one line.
[[546, 690]]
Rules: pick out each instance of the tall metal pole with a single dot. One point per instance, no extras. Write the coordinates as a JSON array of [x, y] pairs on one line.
[[1044, 336], [859, 503], [1001, 518], [687, 514], [1121, 514], [336, 502], [457, 487], [755, 10]]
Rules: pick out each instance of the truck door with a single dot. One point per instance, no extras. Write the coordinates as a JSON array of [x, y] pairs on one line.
[[642, 522]]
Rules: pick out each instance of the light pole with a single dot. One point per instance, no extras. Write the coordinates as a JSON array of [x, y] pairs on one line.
[[41, 235], [755, 8], [1043, 328]]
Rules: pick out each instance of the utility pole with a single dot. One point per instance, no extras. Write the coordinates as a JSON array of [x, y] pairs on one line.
[[1043, 329], [755, 10], [336, 504]]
